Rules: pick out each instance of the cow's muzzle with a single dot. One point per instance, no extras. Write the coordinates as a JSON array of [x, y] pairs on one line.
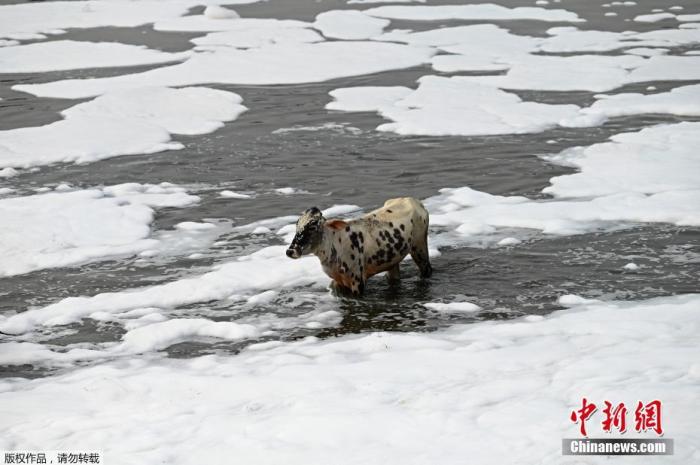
[[293, 253]]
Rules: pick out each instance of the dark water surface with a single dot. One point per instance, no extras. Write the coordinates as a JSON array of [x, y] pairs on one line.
[[354, 165]]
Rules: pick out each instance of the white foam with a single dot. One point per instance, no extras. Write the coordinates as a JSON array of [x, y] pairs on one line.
[[506, 241], [646, 51], [680, 101], [349, 25], [454, 389], [571, 39], [666, 67], [8, 172], [194, 226], [219, 12], [596, 73], [655, 160], [497, 47], [95, 130], [482, 11], [386, 1], [654, 17], [203, 23], [255, 33], [234, 195], [290, 191], [262, 298], [366, 98], [499, 50], [450, 307], [69, 228], [275, 64], [163, 334], [452, 106], [646, 176], [264, 270], [70, 54], [33, 20], [330, 126]]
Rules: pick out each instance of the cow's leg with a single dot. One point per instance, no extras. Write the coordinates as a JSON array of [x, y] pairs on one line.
[[419, 254], [393, 275], [358, 286]]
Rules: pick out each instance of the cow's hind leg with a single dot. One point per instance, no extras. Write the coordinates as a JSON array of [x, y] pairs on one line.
[[419, 254], [393, 274]]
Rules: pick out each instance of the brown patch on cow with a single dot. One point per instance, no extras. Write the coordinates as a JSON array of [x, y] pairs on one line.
[[336, 224], [371, 270], [343, 279]]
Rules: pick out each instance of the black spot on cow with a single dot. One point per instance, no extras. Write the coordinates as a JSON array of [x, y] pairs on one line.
[[354, 239]]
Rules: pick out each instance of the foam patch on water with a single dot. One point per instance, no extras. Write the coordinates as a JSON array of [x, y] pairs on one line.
[[467, 107], [25, 21], [386, 1], [349, 25], [95, 130], [500, 50], [452, 307], [497, 47], [656, 160], [452, 106], [484, 11], [646, 176], [255, 33], [682, 101], [266, 269], [276, 64], [163, 334], [457, 389], [61, 229], [654, 17], [205, 23], [70, 54]]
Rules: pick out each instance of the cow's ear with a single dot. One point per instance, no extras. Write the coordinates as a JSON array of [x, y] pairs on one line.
[[313, 211], [336, 224]]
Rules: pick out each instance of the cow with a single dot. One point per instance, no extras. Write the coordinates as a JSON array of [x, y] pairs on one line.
[[351, 251]]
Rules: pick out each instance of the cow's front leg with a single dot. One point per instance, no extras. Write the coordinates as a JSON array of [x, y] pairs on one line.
[[358, 286]]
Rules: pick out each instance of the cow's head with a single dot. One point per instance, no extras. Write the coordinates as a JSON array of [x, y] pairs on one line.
[[308, 234]]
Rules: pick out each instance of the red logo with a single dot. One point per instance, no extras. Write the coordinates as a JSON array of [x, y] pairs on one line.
[[646, 416]]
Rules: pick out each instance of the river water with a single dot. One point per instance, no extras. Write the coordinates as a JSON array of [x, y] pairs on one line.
[[348, 162]]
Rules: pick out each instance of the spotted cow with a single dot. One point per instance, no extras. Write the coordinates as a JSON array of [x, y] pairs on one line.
[[353, 250]]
